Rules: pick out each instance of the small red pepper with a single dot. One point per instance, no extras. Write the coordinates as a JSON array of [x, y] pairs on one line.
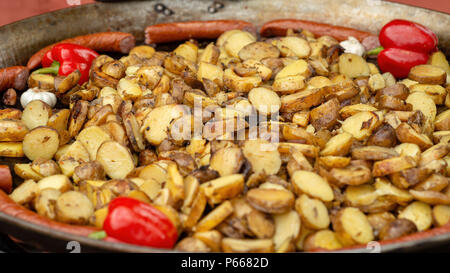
[[135, 222], [65, 58], [404, 44]]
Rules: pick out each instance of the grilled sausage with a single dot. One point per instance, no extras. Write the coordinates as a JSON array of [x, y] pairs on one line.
[[13, 77]]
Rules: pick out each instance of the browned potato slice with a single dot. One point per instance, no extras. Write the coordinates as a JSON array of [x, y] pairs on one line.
[[190, 244], [24, 170], [116, 131], [133, 132], [25, 192], [47, 139], [211, 238], [227, 161], [270, 200], [100, 117], [398, 90], [258, 51], [78, 117], [240, 84], [307, 150], [293, 46], [223, 188], [195, 211], [393, 165], [298, 162], [435, 152], [436, 182], [287, 228], [361, 125], [45, 167], [92, 138], [351, 175], [441, 215], [322, 239], [159, 120], [36, 113], [264, 100], [175, 184], [89, 171], [45, 202], [358, 196], [436, 92], [73, 207], [64, 84], [115, 159], [419, 213], [373, 153], [431, 197], [332, 161], [298, 67], [384, 188], [260, 224], [313, 212], [423, 102], [302, 100], [41, 81], [379, 220], [352, 227], [339, 145], [262, 155], [143, 51], [288, 84], [326, 115], [405, 133], [236, 41], [353, 66], [210, 54], [313, 185], [232, 245], [10, 113], [99, 217], [75, 154], [215, 217], [376, 82], [428, 74], [11, 149], [409, 149], [59, 120], [58, 182], [442, 122], [154, 172], [397, 228], [301, 118]]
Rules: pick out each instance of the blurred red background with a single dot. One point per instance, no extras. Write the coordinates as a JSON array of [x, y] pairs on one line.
[[13, 10]]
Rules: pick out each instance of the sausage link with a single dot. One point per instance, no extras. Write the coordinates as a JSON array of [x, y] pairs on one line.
[[13, 77], [5, 179], [9, 207], [180, 31], [102, 41], [280, 27]]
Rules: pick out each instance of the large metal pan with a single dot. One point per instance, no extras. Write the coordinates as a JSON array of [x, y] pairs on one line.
[[21, 39]]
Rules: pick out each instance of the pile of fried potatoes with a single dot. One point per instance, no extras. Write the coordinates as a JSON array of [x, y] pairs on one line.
[[359, 157]]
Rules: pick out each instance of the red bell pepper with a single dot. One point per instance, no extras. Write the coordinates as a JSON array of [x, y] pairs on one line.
[[404, 44], [135, 222], [65, 58]]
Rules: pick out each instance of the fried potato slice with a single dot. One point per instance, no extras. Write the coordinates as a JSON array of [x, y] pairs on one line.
[[312, 184], [36, 113], [11, 149], [441, 215], [92, 138], [352, 227], [397, 228], [322, 239], [115, 159], [46, 138], [215, 217], [270, 200], [419, 213], [45, 202], [353, 66], [339, 145], [223, 188], [25, 192], [258, 51], [66, 204], [78, 117], [373, 153], [262, 155], [428, 74], [287, 228], [232, 245], [361, 125], [313, 212], [393, 165]]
